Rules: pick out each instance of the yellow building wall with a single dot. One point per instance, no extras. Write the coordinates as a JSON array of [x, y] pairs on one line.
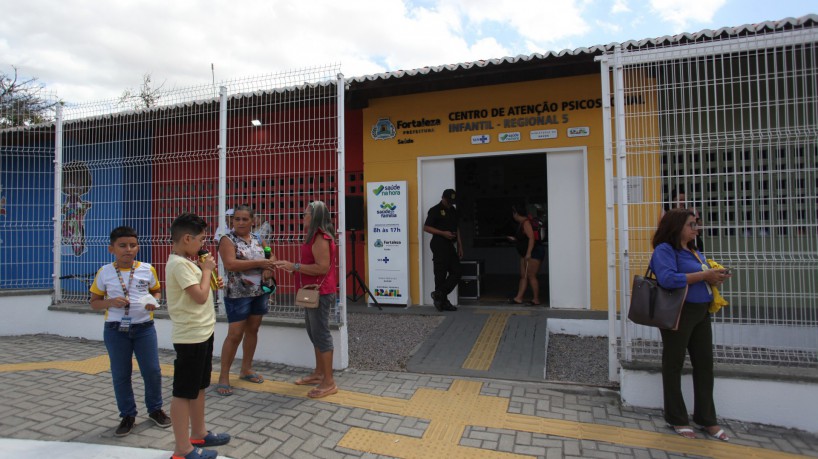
[[443, 123], [644, 161], [644, 164]]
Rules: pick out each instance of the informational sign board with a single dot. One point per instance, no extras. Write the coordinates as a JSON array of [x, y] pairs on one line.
[[388, 242], [634, 190]]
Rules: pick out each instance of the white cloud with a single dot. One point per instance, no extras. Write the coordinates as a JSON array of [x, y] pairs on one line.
[[94, 50], [486, 48], [536, 21], [620, 6], [90, 52], [684, 13]]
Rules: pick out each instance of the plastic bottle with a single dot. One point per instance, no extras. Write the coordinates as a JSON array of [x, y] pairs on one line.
[[269, 284]]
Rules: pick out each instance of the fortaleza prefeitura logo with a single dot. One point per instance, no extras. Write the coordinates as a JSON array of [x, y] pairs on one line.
[[383, 130], [380, 243], [389, 190], [387, 210]]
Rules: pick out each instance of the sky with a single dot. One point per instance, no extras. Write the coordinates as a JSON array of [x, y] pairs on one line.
[[86, 50]]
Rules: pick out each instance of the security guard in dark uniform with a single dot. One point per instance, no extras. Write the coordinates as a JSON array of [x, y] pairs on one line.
[[447, 249]]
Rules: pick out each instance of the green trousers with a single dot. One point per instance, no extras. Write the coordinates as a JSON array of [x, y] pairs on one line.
[[694, 336]]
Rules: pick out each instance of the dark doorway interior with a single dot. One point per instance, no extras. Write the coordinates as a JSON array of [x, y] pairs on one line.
[[487, 187]]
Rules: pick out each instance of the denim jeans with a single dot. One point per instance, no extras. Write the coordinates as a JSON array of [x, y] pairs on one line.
[[122, 346]]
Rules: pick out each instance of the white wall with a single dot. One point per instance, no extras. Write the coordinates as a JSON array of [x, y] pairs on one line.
[[436, 175], [781, 403], [774, 336], [289, 345], [569, 273], [784, 403]]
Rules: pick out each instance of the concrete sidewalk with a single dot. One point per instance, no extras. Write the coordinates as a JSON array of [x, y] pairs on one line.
[[13, 449], [59, 389]]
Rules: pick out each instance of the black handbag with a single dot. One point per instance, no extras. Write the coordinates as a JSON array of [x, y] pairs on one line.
[[653, 305]]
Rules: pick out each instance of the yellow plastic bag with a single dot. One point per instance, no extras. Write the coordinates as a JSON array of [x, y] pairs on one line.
[[718, 300]]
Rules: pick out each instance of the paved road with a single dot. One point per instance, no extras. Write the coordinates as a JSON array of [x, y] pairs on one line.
[[58, 389]]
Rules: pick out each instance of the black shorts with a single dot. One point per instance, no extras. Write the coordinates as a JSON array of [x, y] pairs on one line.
[[192, 368], [537, 253]]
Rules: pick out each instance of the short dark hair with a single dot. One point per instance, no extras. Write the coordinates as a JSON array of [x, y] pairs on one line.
[[520, 208], [187, 223], [122, 231], [245, 208], [671, 226]]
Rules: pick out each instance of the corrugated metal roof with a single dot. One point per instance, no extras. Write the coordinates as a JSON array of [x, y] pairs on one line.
[[810, 20]]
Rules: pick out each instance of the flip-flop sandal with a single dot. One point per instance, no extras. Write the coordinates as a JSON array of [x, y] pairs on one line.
[[320, 393], [253, 378], [513, 301], [720, 435], [682, 431], [223, 389], [308, 381], [531, 303]]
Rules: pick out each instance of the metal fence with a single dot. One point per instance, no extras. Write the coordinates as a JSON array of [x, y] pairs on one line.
[[728, 127], [273, 142]]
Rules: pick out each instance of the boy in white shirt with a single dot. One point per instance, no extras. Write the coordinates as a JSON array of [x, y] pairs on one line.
[[120, 289]]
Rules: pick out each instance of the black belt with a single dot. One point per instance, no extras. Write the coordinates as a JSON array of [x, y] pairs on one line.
[[139, 325]]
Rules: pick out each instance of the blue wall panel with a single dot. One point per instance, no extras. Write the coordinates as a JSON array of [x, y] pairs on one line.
[[26, 229], [105, 184], [119, 194]]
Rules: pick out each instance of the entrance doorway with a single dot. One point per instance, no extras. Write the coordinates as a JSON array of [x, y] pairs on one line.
[[487, 188], [552, 184]]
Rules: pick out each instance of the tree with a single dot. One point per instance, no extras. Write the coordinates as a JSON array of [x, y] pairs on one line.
[[23, 102], [145, 97]]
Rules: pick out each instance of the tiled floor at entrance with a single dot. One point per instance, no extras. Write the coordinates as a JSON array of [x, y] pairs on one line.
[[427, 417]]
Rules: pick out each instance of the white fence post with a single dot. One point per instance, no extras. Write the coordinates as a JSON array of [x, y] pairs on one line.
[[58, 205], [622, 183], [610, 219], [342, 192], [222, 221]]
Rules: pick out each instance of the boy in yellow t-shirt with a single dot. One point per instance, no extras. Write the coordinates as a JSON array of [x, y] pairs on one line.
[[191, 309]]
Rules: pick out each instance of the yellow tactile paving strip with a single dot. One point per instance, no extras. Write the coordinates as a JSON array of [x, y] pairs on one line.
[[92, 366], [449, 412], [485, 347]]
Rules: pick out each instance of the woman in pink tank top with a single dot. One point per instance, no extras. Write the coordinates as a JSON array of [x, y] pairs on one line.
[[317, 264]]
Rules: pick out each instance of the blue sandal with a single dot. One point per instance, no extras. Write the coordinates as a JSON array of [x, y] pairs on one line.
[[253, 378], [211, 439], [223, 389], [198, 453]]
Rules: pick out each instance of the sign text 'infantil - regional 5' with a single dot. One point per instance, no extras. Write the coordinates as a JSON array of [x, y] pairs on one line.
[[479, 120]]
